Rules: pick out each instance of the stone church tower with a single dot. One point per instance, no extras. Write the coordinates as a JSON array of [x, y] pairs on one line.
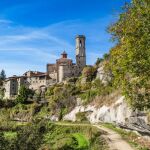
[[80, 52]]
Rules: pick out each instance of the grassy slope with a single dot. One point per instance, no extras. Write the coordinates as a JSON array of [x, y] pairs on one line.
[[56, 137], [10, 135], [81, 139]]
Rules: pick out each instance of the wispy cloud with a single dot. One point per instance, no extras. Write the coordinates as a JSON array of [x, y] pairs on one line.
[[4, 21], [26, 47]]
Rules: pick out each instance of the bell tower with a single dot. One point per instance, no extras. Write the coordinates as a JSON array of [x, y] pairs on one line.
[[80, 52]]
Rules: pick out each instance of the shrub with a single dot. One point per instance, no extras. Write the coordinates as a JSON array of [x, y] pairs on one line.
[[50, 91], [30, 137], [81, 117], [86, 86], [1, 93], [4, 144], [1, 103], [89, 72], [24, 94]]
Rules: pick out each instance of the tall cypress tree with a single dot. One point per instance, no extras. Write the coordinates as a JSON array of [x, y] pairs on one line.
[[2, 75]]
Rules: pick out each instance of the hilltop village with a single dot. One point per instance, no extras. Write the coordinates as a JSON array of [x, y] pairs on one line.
[[58, 72], [71, 105]]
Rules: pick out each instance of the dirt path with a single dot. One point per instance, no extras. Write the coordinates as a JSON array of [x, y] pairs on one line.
[[114, 140]]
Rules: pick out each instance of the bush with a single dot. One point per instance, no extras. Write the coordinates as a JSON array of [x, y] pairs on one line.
[[89, 95], [1, 103], [24, 94], [81, 117], [4, 144], [89, 72], [73, 79], [50, 91], [30, 137], [1, 93], [86, 86]]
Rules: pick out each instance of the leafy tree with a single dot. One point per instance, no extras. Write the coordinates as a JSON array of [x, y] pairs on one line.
[[130, 58], [4, 144], [24, 94], [106, 56], [50, 91], [98, 61], [30, 137], [1, 93], [89, 72]]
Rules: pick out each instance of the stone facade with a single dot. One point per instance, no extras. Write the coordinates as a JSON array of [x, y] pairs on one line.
[[32, 80], [58, 72], [64, 67]]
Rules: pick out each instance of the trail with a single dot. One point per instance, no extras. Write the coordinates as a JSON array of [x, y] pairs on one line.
[[114, 140]]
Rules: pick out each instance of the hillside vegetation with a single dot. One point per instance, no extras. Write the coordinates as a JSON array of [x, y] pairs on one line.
[[126, 71], [44, 135], [130, 58]]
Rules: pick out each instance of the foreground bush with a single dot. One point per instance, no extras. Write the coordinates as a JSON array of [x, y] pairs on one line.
[[45, 135]]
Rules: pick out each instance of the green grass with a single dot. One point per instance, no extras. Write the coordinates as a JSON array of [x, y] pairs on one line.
[[10, 135], [82, 141]]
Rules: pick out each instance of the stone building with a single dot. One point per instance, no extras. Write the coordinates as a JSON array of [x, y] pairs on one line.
[[33, 80], [64, 67], [58, 72]]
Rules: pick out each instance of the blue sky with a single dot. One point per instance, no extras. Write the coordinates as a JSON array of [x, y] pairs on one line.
[[35, 32]]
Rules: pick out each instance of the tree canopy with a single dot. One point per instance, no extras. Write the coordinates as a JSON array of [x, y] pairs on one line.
[[130, 58], [24, 94]]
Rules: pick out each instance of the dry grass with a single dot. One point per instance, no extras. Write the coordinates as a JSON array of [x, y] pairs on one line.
[[107, 100]]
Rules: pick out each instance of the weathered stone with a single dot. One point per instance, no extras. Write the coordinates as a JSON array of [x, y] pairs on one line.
[[118, 113]]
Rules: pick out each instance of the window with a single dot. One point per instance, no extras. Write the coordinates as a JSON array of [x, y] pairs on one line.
[[80, 43]]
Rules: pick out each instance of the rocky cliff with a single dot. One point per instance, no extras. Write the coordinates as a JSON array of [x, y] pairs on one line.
[[118, 113]]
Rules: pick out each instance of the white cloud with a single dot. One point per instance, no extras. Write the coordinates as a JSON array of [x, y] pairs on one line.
[[38, 46], [4, 21]]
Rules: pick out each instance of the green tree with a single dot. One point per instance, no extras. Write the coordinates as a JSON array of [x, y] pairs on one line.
[[98, 61], [1, 93], [4, 144], [2, 75], [89, 72], [24, 94], [30, 137], [106, 56], [130, 58]]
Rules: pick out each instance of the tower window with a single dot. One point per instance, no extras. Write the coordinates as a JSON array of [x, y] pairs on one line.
[[80, 43]]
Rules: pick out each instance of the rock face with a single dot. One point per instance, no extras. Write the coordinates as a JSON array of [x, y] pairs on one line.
[[118, 113], [115, 113], [102, 75]]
